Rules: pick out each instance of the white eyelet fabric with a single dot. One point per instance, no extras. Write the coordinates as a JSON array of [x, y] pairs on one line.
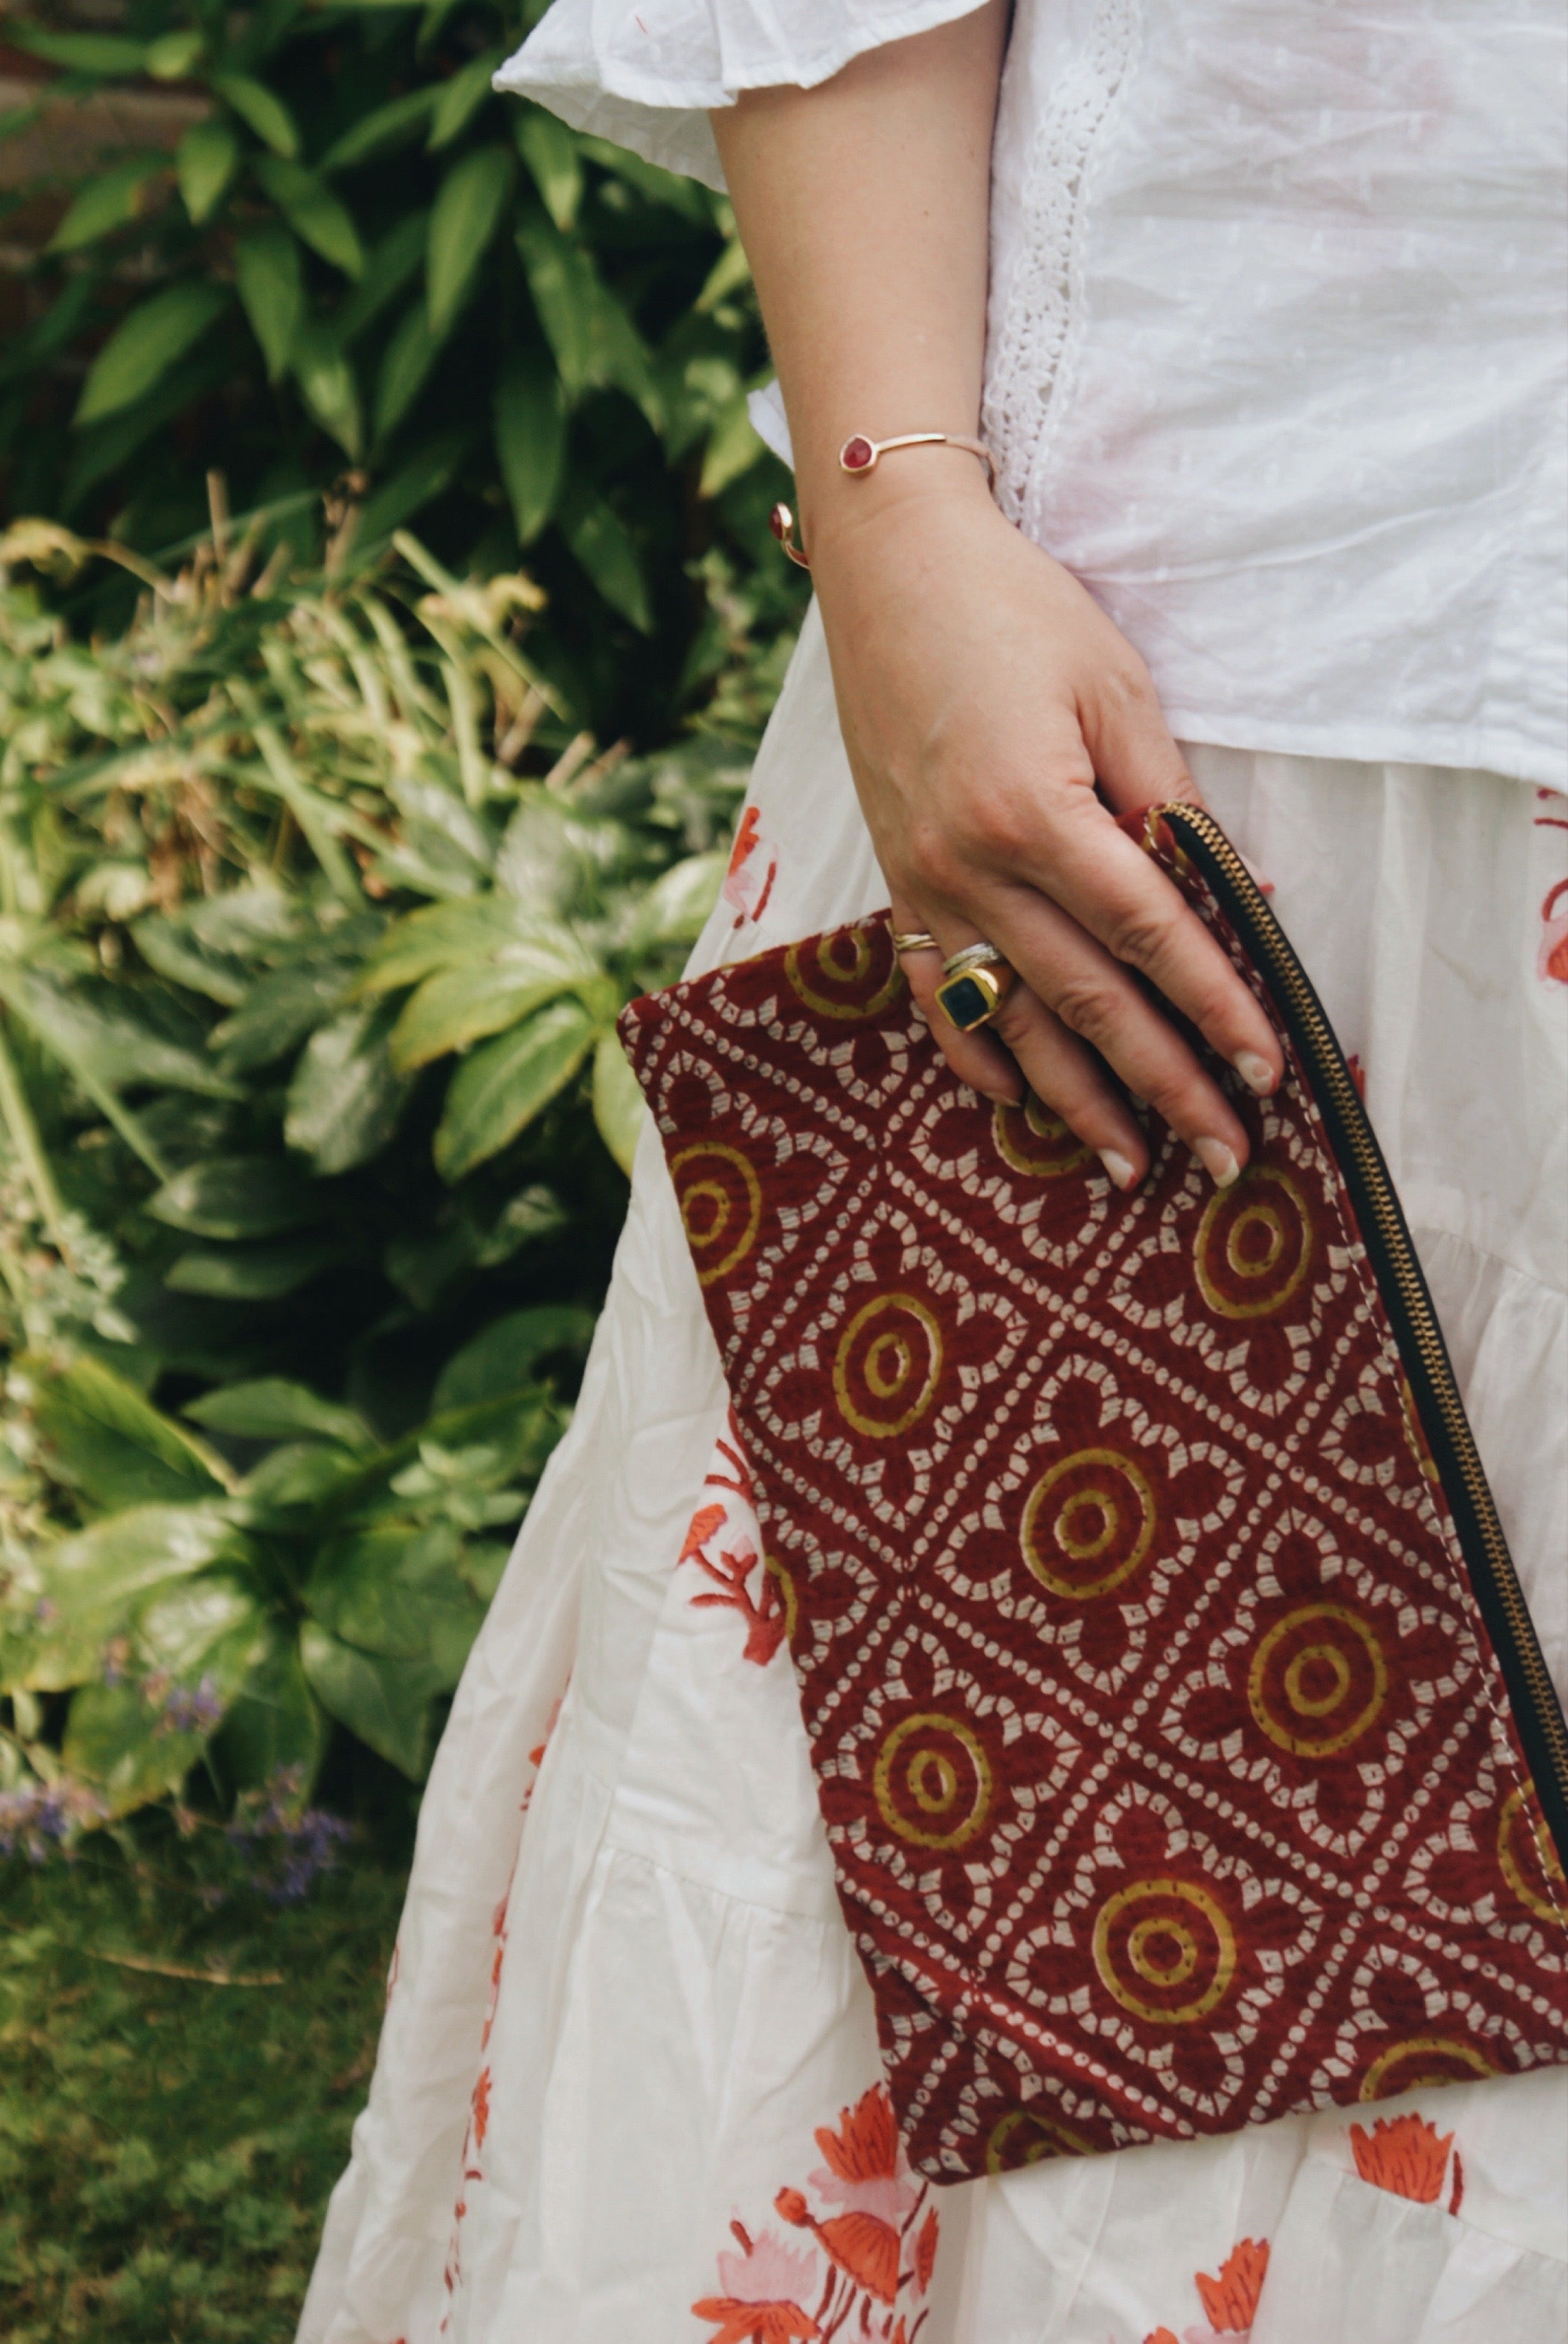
[[1278, 357]]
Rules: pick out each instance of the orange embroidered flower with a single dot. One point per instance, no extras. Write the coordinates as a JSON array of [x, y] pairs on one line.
[[865, 2171], [1162, 2336], [1405, 2155], [926, 2251], [864, 2247], [704, 1522], [481, 2107], [1232, 2299], [763, 2285]]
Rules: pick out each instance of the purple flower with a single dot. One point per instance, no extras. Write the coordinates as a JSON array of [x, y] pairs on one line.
[[38, 1816], [303, 1842], [185, 1709]]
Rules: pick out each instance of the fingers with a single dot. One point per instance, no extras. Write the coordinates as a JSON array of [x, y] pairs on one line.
[[1063, 1073], [1113, 893], [1093, 998]]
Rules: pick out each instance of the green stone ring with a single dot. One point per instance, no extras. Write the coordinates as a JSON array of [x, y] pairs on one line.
[[974, 986]]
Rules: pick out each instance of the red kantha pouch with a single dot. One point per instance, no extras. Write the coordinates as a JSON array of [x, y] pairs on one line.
[[1185, 1750]]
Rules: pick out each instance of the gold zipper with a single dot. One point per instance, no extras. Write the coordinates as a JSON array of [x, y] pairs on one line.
[[1315, 1037]]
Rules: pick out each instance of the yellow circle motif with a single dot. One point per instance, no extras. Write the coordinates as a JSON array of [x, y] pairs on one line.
[[1436, 2059], [1524, 1845], [1188, 1936], [850, 958], [1024, 2137], [1321, 1663], [887, 1384], [946, 1775], [1254, 1245], [724, 1208], [779, 1574], [1033, 1140], [1095, 1507]]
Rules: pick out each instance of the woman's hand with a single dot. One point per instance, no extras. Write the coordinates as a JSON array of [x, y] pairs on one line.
[[983, 695]]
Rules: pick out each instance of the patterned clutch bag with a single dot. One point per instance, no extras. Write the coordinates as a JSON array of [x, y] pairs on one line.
[[1185, 1750]]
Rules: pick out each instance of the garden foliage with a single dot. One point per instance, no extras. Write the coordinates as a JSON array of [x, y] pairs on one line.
[[315, 912], [360, 264]]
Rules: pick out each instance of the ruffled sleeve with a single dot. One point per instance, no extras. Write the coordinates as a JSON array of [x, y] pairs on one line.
[[644, 73]]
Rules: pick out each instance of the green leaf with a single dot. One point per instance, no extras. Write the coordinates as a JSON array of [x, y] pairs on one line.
[[106, 203], [109, 1440], [499, 1362], [314, 213], [675, 907], [530, 438], [443, 936], [347, 1094], [278, 1012], [459, 99], [463, 1005], [382, 130], [106, 1038], [173, 55], [113, 1740], [259, 1273], [733, 447], [601, 544], [236, 1197], [157, 332], [410, 354], [272, 292], [265, 113], [391, 264], [462, 222], [275, 1725], [505, 1082], [385, 1703], [104, 1568], [424, 476], [89, 53], [205, 161], [295, 1474], [654, 185], [595, 342], [551, 153], [272, 1408], [375, 1586], [618, 1109], [326, 381]]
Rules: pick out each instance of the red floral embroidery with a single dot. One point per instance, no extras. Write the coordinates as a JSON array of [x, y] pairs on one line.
[[1551, 960], [1409, 2156], [753, 867], [1231, 2301], [876, 2232], [479, 2125], [765, 1614], [753, 2309]]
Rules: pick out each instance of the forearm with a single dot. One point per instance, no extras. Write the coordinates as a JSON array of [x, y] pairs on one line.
[[863, 207]]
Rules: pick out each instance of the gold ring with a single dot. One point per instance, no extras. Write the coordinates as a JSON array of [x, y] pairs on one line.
[[908, 940], [971, 997]]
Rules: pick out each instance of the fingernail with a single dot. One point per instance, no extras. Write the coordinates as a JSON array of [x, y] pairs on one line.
[[1217, 1161], [1121, 1173], [1255, 1072], [999, 1098]]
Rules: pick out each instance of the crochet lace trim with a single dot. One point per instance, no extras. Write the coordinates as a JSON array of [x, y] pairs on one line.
[[1041, 308]]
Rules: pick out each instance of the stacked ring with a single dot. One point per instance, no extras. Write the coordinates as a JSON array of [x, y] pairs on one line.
[[974, 986], [907, 940]]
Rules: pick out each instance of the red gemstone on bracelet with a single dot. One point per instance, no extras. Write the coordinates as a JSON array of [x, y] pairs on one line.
[[857, 455]]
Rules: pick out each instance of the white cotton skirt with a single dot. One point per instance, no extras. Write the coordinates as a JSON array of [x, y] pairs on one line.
[[627, 2089]]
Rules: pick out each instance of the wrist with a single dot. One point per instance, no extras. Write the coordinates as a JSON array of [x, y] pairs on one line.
[[845, 517]]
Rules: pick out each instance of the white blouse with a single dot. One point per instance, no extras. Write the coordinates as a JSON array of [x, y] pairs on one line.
[[1278, 348]]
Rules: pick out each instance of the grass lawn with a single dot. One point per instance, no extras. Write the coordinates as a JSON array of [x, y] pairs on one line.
[[167, 2142]]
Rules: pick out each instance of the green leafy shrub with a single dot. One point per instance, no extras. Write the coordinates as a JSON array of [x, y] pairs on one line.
[[315, 914], [361, 262]]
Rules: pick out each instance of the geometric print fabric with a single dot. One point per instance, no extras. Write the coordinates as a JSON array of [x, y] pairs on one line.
[[1169, 1775]]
